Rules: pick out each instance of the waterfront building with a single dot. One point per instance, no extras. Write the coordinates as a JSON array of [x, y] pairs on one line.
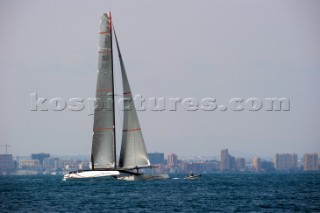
[[228, 162], [6, 164], [267, 166], [310, 162], [233, 163], [52, 163], [225, 160], [29, 164], [172, 159], [40, 157], [156, 158], [256, 164], [285, 162], [240, 164]]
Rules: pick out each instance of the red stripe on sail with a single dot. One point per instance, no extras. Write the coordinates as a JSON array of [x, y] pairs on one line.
[[102, 33], [104, 90], [131, 130], [99, 129], [105, 51], [110, 21]]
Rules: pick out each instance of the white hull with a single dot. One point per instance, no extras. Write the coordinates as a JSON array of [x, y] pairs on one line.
[[90, 174], [143, 177]]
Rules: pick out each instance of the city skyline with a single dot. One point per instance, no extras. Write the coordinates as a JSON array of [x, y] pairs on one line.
[[223, 154], [238, 154], [46, 164], [201, 50]]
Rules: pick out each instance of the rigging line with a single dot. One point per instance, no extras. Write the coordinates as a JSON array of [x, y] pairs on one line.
[[118, 65], [116, 89], [134, 149], [115, 36], [120, 115]]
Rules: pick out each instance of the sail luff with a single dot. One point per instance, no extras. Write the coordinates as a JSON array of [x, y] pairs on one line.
[[113, 96], [133, 151], [103, 142]]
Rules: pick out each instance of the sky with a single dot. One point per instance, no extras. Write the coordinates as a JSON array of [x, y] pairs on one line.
[[171, 49]]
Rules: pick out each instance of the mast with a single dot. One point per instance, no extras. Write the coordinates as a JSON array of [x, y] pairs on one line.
[[113, 96], [92, 162]]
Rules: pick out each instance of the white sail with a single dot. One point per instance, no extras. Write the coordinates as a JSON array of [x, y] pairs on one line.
[[103, 142], [133, 152]]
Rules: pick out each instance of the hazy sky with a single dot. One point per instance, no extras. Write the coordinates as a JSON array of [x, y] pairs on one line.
[[217, 49]]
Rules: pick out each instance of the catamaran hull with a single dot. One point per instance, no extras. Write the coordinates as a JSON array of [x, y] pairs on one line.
[[90, 174], [143, 177]]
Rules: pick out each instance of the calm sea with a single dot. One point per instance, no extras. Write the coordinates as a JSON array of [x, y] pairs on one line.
[[210, 193]]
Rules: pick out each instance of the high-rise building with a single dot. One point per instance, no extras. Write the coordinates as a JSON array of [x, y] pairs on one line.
[[225, 160], [310, 162], [233, 163], [285, 162], [6, 163], [256, 164], [52, 163], [172, 159], [40, 157], [228, 162], [156, 158], [267, 166], [240, 164]]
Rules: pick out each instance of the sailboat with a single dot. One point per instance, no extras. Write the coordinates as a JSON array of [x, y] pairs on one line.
[[133, 154]]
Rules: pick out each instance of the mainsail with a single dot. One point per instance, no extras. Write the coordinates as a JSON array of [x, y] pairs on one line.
[[103, 143], [133, 152]]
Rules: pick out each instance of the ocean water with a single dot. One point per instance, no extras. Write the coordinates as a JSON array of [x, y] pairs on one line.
[[210, 193]]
